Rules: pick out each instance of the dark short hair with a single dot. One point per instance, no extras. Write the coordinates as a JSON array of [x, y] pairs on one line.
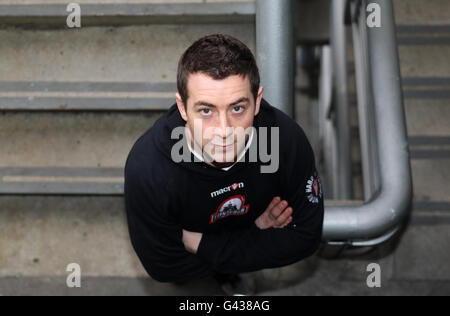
[[218, 56]]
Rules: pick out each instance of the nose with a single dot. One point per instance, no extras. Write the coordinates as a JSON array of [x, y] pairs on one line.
[[224, 130]]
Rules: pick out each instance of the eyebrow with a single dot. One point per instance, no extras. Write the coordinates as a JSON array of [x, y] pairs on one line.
[[203, 103]]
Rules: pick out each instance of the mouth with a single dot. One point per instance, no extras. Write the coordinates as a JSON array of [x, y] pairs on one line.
[[224, 148]]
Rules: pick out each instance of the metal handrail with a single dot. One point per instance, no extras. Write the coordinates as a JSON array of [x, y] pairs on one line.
[[370, 223], [275, 52], [367, 131], [338, 41]]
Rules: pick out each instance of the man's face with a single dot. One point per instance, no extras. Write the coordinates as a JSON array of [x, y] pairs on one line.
[[216, 114]]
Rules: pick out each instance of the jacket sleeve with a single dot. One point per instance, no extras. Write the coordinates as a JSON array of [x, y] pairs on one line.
[[155, 234], [253, 249]]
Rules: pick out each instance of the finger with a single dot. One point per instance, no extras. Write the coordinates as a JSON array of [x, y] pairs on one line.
[[289, 220], [274, 202], [284, 216], [269, 215], [278, 209]]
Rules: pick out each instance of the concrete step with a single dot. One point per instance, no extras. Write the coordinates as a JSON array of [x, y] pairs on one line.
[[429, 152], [431, 35], [413, 263], [86, 96], [98, 55], [423, 36], [423, 88], [70, 139], [429, 147], [425, 117], [94, 13], [419, 12], [101, 286], [424, 61], [421, 252], [127, 2], [419, 61], [73, 72], [431, 179], [316, 287], [67, 153], [426, 88], [73, 69], [430, 166], [54, 180], [40, 236], [105, 286], [429, 139], [423, 48]]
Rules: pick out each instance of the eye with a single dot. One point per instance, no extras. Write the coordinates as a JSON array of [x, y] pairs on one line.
[[238, 109], [205, 112]]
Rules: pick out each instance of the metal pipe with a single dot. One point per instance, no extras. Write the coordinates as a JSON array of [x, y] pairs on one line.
[[367, 242], [376, 241], [391, 205], [326, 126], [369, 155], [339, 48], [275, 52]]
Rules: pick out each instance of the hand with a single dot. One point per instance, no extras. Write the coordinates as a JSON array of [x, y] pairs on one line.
[[191, 241], [277, 215]]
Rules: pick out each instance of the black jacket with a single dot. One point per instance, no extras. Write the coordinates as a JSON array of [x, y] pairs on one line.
[[163, 197]]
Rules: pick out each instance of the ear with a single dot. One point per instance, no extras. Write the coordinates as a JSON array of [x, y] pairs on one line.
[[181, 107], [258, 100]]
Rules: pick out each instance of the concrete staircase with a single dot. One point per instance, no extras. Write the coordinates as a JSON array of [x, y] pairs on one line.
[[424, 39], [416, 262], [73, 101], [79, 98]]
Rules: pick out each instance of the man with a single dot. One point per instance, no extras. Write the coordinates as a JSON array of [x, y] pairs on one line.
[[217, 212]]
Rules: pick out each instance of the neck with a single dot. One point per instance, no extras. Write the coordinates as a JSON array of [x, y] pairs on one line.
[[215, 164]]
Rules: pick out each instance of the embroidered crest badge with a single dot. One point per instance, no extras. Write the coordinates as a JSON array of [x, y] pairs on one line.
[[314, 188], [232, 206]]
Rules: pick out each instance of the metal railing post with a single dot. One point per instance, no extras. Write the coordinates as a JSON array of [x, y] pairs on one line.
[[386, 211], [327, 129], [339, 49], [275, 52], [367, 131]]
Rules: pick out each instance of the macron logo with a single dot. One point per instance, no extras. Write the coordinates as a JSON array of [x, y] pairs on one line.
[[233, 187]]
